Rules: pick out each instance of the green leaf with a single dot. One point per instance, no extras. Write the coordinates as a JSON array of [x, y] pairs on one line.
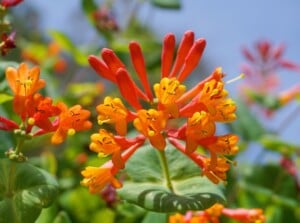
[[147, 187], [155, 217], [89, 7], [24, 191], [62, 217], [272, 142], [167, 4], [5, 98]]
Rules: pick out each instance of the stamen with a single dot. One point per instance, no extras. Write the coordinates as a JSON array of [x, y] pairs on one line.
[[71, 132], [31, 121], [241, 76]]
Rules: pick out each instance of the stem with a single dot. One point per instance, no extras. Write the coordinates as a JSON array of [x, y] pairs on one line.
[[12, 171], [165, 168], [19, 146]]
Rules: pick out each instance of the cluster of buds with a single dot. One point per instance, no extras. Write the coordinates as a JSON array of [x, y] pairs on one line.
[[214, 213], [154, 113], [38, 114], [7, 41]]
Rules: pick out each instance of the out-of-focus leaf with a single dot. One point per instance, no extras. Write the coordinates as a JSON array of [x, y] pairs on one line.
[[89, 7], [167, 4], [246, 125], [4, 65], [269, 185], [62, 217], [66, 44], [5, 98], [24, 191], [82, 201], [148, 190], [104, 215], [272, 142], [155, 217]]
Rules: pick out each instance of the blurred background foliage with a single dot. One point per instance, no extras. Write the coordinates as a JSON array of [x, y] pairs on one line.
[[267, 174]]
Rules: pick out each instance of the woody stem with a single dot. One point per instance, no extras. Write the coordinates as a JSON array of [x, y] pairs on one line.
[[165, 169]]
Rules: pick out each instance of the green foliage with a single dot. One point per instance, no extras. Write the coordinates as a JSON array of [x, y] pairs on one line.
[[148, 189], [167, 4], [268, 185], [274, 143], [24, 191], [67, 45]]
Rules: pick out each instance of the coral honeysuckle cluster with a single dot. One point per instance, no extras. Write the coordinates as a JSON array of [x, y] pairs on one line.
[[153, 112], [38, 114], [214, 213]]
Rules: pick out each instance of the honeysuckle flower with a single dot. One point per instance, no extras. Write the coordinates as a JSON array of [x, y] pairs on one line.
[[151, 109], [69, 121], [199, 127], [167, 92], [96, 178], [40, 110], [151, 124], [24, 82], [105, 143], [7, 124], [114, 112], [225, 144], [215, 169]]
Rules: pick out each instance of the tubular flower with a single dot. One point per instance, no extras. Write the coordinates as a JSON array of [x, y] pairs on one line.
[[225, 145], [199, 127], [40, 110], [24, 82], [151, 123], [104, 143], [151, 110], [114, 112], [96, 178], [215, 169], [167, 92], [69, 121]]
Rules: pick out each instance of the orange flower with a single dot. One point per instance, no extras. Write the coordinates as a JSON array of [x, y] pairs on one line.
[[151, 123], [225, 145], [215, 169], [113, 111], [200, 126], [104, 143], [167, 92], [24, 82], [40, 110], [96, 178], [69, 121], [177, 218]]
